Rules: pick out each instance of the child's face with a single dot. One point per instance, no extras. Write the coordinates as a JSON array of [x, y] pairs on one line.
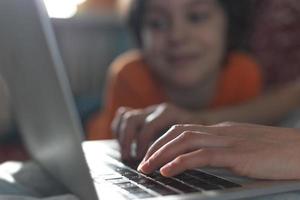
[[184, 40]]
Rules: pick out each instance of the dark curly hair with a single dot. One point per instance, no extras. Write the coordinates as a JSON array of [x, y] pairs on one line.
[[239, 13]]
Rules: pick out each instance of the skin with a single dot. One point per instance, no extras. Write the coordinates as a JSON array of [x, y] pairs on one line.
[[246, 149], [187, 40], [144, 126], [266, 109], [255, 151]]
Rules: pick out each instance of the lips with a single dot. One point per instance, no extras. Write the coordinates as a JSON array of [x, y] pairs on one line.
[[180, 59]]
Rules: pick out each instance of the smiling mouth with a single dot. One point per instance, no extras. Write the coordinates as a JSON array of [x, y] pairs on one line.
[[182, 59]]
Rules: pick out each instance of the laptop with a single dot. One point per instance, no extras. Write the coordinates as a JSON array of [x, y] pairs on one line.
[[33, 69]]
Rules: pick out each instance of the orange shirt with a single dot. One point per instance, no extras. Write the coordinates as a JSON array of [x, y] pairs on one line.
[[132, 84]]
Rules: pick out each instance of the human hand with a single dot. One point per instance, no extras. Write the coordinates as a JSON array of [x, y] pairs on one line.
[[143, 126], [249, 150]]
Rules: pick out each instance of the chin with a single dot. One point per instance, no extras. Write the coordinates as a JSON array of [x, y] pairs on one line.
[[187, 81], [185, 84]]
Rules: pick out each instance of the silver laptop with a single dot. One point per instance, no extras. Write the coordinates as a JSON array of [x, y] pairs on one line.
[[31, 64]]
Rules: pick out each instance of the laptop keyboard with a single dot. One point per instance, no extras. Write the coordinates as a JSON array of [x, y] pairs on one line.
[[137, 185]]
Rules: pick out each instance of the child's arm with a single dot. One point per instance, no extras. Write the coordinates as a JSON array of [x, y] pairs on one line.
[[144, 125], [266, 109]]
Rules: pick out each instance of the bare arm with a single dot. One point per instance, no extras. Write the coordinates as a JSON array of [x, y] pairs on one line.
[[145, 125], [255, 151], [266, 109]]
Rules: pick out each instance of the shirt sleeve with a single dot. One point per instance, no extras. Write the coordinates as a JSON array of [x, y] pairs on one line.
[[252, 81], [122, 86]]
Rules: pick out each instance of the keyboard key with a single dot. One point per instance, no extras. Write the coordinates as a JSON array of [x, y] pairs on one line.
[[212, 179], [149, 183], [198, 183], [107, 177], [228, 184], [174, 183], [126, 172], [117, 181], [134, 189], [143, 195], [138, 192], [156, 187], [143, 181], [164, 191], [130, 174], [111, 177], [183, 187], [126, 185], [135, 177], [97, 175]]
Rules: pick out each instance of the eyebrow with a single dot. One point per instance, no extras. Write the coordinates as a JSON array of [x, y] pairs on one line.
[[155, 8], [196, 2]]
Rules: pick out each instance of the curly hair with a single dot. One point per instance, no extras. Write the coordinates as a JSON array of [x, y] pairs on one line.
[[239, 13]]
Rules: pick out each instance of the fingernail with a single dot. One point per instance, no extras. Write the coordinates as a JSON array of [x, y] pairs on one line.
[[165, 170], [142, 166]]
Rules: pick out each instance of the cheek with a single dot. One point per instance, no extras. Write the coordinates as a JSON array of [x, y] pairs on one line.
[[153, 43], [153, 49], [213, 35], [212, 40]]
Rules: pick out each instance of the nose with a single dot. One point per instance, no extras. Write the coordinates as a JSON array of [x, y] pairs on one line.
[[178, 33]]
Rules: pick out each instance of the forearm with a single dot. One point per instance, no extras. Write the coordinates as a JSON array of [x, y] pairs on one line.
[[266, 109]]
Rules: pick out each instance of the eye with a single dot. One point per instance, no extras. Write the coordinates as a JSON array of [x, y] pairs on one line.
[[157, 24], [196, 17]]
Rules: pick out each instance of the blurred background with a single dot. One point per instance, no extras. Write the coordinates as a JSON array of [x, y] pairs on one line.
[[91, 33]]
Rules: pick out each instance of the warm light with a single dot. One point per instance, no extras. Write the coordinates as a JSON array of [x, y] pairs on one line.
[[123, 6], [62, 8], [79, 1]]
